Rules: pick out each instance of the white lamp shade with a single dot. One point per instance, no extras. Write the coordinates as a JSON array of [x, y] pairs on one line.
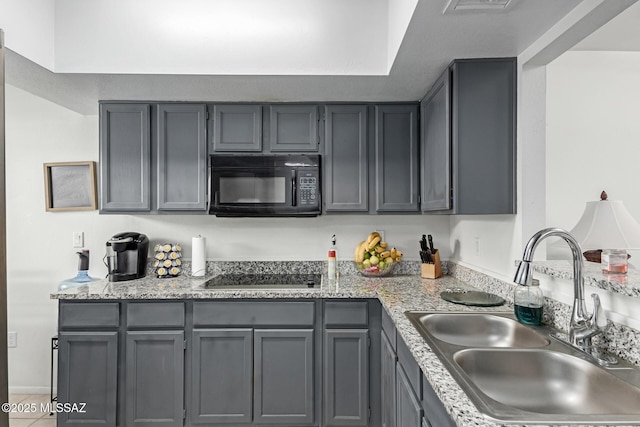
[[607, 224]]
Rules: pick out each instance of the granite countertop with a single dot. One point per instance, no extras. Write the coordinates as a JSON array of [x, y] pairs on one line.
[[397, 295]]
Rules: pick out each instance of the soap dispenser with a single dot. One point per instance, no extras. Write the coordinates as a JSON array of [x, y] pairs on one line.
[[332, 261], [528, 301]]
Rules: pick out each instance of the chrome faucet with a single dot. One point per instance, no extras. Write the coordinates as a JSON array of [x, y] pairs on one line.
[[582, 326]]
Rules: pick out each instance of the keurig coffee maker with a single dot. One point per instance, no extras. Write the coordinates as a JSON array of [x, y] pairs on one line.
[[127, 256]]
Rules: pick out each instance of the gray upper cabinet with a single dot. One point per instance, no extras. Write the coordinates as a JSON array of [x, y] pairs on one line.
[[154, 378], [482, 139], [125, 157], [182, 157], [222, 376], [88, 372], [237, 127], [346, 164], [396, 158], [435, 110], [293, 128]]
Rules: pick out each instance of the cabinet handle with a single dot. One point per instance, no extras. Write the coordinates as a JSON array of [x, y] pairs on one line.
[[293, 188]]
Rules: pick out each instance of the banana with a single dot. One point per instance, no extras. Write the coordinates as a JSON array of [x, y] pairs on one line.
[[385, 254], [358, 255], [398, 253], [379, 249], [393, 252], [383, 245], [372, 236], [374, 242], [398, 258], [388, 260]]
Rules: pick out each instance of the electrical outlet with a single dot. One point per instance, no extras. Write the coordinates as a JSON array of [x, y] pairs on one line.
[[12, 339], [381, 232], [477, 246], [78, 239]]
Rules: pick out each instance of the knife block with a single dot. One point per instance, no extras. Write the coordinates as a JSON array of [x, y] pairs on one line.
[[432, 271]]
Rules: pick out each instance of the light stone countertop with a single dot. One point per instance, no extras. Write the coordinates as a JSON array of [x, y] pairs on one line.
[[397, 295]]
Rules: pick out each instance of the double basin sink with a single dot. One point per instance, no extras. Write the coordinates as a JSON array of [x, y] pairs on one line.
[[521, 374]]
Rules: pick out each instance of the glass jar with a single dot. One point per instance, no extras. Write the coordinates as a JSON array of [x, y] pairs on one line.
[[527, 303], [614, 261]]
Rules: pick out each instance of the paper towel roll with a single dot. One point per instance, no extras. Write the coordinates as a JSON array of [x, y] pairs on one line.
[[198, 256]]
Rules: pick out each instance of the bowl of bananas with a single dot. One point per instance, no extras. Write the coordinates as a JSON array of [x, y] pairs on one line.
[[374, 258]]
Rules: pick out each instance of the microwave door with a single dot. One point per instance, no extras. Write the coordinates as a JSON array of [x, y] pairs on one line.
[[264, 190]]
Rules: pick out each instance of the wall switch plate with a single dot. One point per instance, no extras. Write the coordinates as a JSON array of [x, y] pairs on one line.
[[12, 339], [78, 239]]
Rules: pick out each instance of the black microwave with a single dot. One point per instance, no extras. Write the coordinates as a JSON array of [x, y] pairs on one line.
[[264, 185]]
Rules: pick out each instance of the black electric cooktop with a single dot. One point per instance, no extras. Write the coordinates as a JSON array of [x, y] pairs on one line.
[[264, 281]]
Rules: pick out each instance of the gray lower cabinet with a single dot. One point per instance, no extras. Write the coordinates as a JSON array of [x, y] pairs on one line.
[[125, 157], [408, 409], [293, 128], [283, 376], [88, 373], [396, 158], [388, 382], [469, 134], [237, 127], [346, 166], [346, 377], [221, 376], [181, 175], [154, 378]]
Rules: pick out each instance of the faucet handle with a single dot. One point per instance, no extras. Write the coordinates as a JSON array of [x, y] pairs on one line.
[[598, 319]]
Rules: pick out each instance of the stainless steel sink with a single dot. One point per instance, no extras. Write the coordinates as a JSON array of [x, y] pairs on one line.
[[548, 382], [481, 330], [519, 374]]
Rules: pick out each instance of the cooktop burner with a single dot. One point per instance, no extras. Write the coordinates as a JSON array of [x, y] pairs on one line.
[[270, 281]]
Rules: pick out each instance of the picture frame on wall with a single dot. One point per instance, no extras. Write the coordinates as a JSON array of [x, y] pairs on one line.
[[70, 186]]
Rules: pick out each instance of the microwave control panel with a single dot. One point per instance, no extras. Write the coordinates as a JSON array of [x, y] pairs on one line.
[[308, 188]]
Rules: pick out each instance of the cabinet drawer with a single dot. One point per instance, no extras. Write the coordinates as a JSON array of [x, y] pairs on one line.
[[89, 315], [389, 329], [250, 313], [346, 313], [153, 314], [410, 366]]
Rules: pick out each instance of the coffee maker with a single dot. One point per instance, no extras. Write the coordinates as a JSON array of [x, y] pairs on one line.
[[127, 256]]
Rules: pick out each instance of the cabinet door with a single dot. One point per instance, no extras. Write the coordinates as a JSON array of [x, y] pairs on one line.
[[388, 382], [396, 158], [484, 136], [182, 157], [154, 378], [125, 158], [221, 376], [408, 410], [346, 167], [87, 372], [283, 372], [436, 146], [346, 377], [293, 128], [237, 127]]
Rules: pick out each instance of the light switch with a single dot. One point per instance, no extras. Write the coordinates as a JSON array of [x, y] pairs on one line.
[[78, 239]]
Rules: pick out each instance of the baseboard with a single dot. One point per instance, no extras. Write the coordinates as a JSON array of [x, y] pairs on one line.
[[31, 390]]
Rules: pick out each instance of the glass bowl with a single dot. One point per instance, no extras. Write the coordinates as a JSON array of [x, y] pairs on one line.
[[374, 271]]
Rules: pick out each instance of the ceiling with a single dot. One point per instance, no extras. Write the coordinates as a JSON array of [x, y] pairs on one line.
[[622, 33], [431, 41]]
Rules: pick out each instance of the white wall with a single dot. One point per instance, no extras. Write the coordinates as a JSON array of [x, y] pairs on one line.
[[39, 243], [313, 37], [399, 13], [593, 135], [29, 28]]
